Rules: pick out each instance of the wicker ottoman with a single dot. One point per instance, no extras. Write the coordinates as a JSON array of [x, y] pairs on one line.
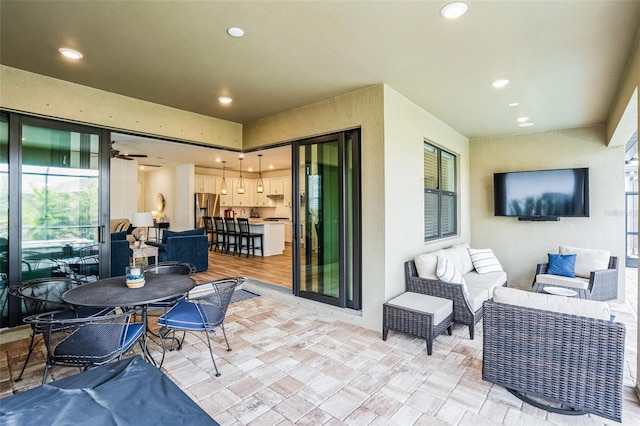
[[419, 315]]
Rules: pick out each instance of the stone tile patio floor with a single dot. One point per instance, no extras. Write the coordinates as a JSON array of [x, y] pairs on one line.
[[289, 366]]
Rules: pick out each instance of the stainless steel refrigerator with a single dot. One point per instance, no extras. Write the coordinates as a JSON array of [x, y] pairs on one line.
[[205, 205]]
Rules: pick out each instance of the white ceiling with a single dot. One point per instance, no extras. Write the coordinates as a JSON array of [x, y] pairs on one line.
[[565, 59]]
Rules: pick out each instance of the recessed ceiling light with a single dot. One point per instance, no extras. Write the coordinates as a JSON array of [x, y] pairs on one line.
[[235, 32], [225, 100], [522, 119], [70, 53], [454, 10], [499, 83], [240, 155], [271, 166], [525, 124], [513, 104]]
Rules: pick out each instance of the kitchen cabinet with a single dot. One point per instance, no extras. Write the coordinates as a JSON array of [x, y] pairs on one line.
[[276, 186], [261, 200], [204, 183], [246, 199], [287, 233], [287, 192]]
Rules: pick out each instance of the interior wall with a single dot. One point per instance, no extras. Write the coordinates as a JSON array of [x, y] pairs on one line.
[[521, 245], [162, 181], [31, 93], [406, 127], [123, 201]]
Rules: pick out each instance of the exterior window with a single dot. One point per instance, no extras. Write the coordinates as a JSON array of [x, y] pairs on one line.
[[440, 203]]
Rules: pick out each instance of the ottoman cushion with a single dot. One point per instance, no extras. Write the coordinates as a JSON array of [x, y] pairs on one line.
[[439, 307]]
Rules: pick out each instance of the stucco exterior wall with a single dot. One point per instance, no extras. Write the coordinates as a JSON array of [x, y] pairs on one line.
[[520, 245], [36, 94], [406, 127], [364, 109]]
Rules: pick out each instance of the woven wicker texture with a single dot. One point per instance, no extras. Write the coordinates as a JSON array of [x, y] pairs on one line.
[[462, 311], [419, 324], [564, 359]]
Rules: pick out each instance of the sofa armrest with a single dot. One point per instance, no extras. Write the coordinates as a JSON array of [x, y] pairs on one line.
[[604, 284], [541, 268], [161, 247]]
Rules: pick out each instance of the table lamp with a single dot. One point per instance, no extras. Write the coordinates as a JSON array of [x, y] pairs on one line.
[[142, 220]]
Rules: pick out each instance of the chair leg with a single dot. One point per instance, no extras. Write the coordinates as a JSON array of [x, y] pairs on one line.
[[225, 337], [46, 371], [211, 353], [471, 331], [31, 347]]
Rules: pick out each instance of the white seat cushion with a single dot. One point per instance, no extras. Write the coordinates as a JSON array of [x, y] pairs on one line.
[[439, 307], [587, 260], [577, 282], [488, 281], [548, 302], [477, 296]]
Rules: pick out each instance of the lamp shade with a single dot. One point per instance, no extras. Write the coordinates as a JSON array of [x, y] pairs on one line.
[[142, 219]]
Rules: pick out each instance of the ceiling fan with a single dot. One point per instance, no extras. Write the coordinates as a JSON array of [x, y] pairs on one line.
[[116, 154]]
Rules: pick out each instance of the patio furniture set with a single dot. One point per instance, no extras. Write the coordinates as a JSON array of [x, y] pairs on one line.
[[561, 354]]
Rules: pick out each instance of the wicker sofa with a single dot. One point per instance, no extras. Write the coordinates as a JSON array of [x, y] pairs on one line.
[[561, 354], [467, 306]]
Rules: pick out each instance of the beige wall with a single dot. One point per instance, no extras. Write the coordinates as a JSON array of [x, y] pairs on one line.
[[406, 126], [49, 97], [623, 118], [520, 245], [364, 109]]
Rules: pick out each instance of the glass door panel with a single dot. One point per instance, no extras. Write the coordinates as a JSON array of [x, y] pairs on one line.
[[60, 203], [328, 250], [4, 221]]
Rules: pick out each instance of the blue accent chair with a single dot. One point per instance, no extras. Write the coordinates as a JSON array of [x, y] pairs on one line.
[[120, 253], [191, 246], [203, 312]]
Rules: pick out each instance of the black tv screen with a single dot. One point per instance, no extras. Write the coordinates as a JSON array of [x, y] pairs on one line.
[[542, 193]]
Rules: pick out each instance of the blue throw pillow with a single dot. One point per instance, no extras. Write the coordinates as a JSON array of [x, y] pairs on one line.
[[562, 264]]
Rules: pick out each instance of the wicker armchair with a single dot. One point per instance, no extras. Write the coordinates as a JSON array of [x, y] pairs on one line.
[[603, 285], [559, 362], [463, 313]]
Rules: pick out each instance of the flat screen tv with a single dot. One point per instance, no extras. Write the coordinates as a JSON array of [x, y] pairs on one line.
[[542, 194]]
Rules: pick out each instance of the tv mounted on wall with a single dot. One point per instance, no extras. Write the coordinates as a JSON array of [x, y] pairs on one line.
[[542, 194]]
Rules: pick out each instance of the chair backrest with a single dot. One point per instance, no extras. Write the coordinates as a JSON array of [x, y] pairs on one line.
[[208, 223], [230, 225], [178, 268], [243, 225], [219, 223], [217, 293], [87, 340], [43, 294]]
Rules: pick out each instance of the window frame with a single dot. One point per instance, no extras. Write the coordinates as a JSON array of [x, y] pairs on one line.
[[440, 193]]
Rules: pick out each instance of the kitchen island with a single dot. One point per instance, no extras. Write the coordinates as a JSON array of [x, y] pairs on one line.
[[272, 236]]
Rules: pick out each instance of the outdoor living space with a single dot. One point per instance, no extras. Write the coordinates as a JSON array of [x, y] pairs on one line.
[[291, 366]]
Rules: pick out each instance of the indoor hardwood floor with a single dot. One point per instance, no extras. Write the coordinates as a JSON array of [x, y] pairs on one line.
[[271, 269]]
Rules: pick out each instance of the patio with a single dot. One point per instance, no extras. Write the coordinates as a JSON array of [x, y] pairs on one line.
[[289, 366]]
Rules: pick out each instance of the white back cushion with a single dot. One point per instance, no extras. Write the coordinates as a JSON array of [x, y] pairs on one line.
[[466, 265], [549, 302], [587, 260], [426, 264]]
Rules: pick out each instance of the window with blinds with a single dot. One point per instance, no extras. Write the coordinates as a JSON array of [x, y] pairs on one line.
[[440, 196]]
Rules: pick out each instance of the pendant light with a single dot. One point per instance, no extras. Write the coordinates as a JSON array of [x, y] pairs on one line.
[[260, 184], [223, 185], [241, 187]]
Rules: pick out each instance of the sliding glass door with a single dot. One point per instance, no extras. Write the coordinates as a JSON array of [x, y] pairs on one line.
[[55, 226], [327, 250]]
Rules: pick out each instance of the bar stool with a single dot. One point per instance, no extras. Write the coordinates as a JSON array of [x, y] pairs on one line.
[[232, 234], [248, 238], [220, 235]]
